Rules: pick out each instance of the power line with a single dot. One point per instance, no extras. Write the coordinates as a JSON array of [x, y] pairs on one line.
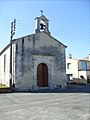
[[69, 31], [5, 17], [73, 34], [26, 23], [71, 27]]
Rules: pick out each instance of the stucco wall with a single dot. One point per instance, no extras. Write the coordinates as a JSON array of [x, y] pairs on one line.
[[74, 67], [5, 66], [4, 70]]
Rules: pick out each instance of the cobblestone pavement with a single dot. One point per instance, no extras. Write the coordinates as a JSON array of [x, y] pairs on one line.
[[45, 106]]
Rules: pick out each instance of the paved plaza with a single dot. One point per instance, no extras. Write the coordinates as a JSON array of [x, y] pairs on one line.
[[45, 106]]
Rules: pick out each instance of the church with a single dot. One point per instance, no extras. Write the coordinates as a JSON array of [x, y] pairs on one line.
[[38, 60]]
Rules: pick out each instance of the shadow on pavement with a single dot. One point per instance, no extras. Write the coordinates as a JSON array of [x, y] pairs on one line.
[[68, 89]]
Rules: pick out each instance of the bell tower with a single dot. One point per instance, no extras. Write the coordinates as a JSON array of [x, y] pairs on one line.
[[42, 24]]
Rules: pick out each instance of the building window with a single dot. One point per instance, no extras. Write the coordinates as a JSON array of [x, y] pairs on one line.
[[83, 65], [68, 65], [4, 62]]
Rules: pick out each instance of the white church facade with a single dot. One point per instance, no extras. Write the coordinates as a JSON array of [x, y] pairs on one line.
[[38, 60]]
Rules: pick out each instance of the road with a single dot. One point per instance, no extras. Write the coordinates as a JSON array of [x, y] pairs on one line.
[[45, 106]]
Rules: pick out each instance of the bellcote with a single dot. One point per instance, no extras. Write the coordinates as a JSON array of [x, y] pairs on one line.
[[42, 24]]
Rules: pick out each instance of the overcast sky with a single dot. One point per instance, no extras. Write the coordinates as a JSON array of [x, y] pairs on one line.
[[69, 22]]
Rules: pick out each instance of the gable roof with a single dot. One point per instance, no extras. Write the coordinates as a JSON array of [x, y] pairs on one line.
[[8, 45], [54, 38], [42, 17], [58, 41]]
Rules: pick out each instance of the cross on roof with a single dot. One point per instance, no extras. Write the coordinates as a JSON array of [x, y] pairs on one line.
[[41, 12]]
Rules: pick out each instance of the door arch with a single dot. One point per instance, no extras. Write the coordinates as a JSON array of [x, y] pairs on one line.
[[42, 75]]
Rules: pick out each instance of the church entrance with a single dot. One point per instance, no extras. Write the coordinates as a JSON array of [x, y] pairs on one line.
[[42, 75]]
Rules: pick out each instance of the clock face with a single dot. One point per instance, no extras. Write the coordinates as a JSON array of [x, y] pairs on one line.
[[42, 25]]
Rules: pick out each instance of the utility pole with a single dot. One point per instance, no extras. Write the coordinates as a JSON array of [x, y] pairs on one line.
[[13, 26]]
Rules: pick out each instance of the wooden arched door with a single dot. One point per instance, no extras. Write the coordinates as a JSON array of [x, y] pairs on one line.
[[42, 75]]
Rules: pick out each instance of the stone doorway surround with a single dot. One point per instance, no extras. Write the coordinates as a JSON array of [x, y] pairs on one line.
[[49, 61]]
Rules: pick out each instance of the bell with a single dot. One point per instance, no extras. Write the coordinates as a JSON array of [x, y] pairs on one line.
[[42, 26]]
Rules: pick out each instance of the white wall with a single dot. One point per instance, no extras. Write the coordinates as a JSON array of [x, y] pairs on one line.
[[5, 74], [74, 67]]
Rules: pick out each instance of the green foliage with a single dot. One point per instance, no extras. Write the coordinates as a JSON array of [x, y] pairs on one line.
[[3, 86]]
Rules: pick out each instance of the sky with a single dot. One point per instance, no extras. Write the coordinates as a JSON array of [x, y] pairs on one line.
[[69, 22]]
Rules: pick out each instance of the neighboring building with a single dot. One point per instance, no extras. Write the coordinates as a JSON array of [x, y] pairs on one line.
[[78, 68], [39, 60]]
